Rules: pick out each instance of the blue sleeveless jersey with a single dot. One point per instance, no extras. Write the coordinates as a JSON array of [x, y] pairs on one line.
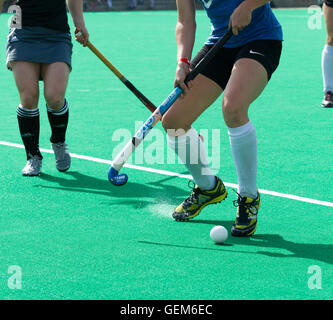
[[264, 24]]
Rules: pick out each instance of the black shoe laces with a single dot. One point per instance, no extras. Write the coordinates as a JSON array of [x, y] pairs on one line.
[[240, 202], [194, 197]]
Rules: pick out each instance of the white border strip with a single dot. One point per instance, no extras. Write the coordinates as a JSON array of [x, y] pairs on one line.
[[178, 175]]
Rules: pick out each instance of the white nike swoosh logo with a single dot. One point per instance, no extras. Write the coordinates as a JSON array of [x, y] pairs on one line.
[[207, 4], [253, 52]]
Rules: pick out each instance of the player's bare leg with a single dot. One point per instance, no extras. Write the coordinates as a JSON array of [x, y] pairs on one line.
[[177, 122], [26, 75], [55, 78], [248, 80]]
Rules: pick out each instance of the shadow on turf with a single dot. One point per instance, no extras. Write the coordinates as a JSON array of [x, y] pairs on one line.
[[157, 191], [318, 252]]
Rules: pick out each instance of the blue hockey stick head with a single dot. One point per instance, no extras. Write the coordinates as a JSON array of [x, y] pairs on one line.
[[117, 179]]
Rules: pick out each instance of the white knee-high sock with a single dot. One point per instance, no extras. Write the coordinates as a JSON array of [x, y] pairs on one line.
[[191, 151], [243, 142], [327, 68]]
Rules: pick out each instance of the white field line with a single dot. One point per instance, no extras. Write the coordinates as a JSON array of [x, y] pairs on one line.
[[178, 175]]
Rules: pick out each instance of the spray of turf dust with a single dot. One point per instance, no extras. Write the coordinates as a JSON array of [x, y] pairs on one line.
[[162, 209]]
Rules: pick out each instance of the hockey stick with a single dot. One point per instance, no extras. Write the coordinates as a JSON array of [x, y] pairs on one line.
[[122, 157], [121, 77]]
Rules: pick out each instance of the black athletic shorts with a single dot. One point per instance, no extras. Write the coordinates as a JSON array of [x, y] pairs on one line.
[[266, 52], [329, 3]]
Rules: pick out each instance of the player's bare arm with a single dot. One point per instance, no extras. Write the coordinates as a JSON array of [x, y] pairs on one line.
[[185, 35], [242, 15], [76, 9]]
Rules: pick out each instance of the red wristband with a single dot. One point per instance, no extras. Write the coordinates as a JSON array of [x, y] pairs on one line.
[[188, 62]]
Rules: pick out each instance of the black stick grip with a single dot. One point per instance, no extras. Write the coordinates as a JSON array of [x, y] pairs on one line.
[[209, 56], [140, 96]]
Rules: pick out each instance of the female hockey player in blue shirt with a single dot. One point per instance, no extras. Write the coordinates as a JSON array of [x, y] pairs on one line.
[[241, 70]]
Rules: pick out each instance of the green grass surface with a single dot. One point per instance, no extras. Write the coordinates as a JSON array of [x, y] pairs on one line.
[[75, 236]]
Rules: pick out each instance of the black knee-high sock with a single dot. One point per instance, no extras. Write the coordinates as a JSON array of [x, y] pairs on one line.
[[58, 120], [28, 121]]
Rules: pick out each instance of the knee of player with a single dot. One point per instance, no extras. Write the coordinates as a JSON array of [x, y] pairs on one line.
[[169, 122], [54, 100], [232, 107], [29, 99], [174, 127]]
